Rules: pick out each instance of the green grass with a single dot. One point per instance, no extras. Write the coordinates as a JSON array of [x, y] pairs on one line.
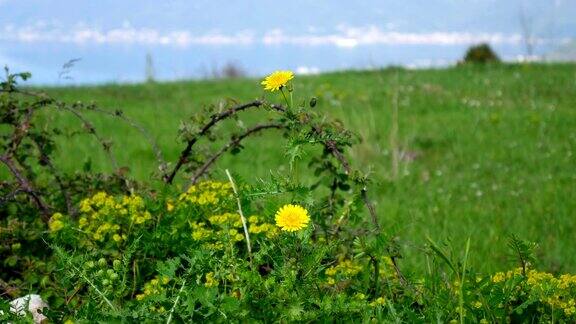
[[493, 149]]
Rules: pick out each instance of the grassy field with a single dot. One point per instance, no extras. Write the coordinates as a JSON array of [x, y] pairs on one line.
[[486, 151]]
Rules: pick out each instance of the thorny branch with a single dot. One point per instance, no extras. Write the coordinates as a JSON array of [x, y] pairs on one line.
[[139, 128], [105, 146], [235, 141], [45, 159], [331, 146], [26, 186], [214, 119], [20, 131], [9, 290]]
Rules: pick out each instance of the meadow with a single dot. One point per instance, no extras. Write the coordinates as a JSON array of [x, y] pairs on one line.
[[388, 195], [480, 152]]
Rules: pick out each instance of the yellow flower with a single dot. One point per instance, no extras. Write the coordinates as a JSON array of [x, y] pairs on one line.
[[277, 80], [360, 296], [498, 277], [292, 218], [210, 280], [378, 302], [236, 294], [55, 223], [169, 206]]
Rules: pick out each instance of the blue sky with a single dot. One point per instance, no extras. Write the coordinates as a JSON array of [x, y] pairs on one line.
[[189, 38]]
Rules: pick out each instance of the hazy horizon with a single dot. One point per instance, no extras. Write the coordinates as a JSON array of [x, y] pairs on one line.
[[190, 40]]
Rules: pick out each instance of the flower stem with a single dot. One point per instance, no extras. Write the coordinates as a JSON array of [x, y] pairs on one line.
[[285, 99]]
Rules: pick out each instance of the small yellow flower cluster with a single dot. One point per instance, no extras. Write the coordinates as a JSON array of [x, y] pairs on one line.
[[558, 293], [236, 294], [159, 310], [501, 276], [360, 296], [154, 287], [169, 205], [205, 194], [498, 277], [221, 229], [386, 269], [265, 228], [378, 302], [345, 268], [210, 280], [56, 222], [108, 217]]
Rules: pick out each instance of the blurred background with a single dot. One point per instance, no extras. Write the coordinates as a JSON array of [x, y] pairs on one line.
[[92, 42]]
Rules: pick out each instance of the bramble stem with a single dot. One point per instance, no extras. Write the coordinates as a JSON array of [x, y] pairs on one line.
[[233, 142], [169, 178]]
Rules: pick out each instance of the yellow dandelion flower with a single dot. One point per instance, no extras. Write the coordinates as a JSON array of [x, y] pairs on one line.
[[292, 218], [277, 80]]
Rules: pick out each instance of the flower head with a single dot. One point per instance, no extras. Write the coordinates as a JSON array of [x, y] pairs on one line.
[[277, 80], [292, 218], [55, 223]]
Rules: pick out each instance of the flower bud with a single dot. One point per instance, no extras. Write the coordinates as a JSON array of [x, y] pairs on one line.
[[313, 102], [102, 262]]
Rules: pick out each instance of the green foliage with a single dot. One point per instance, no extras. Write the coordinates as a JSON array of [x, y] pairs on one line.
[[523, 251], [480, 54]]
